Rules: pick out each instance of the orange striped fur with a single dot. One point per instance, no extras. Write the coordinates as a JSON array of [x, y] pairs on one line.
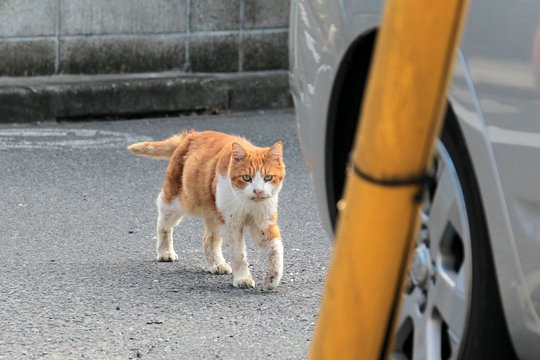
[[230, 182]]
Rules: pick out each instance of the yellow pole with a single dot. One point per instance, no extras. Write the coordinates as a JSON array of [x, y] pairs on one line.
[[402, 116]]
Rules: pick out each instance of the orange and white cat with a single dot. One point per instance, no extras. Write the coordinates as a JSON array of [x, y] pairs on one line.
[[230, 182]]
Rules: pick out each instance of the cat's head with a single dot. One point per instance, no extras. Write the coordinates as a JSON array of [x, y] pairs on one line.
[[257, 174]]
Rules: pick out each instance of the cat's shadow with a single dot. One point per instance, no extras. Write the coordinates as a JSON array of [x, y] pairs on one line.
[[215, 284], [181, 278]]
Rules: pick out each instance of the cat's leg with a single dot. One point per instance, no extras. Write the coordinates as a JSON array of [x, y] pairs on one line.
[[234, 235], [212, 248], [170, 214], [268, 237]]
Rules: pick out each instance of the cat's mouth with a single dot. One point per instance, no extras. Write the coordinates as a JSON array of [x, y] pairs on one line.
[[259, 198]]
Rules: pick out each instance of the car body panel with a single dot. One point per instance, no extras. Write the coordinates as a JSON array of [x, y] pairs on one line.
[[497, 113], [501, 42], [521, 317], [312, 77]]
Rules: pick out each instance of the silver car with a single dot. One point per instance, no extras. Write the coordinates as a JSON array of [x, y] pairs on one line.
[[474, 287]]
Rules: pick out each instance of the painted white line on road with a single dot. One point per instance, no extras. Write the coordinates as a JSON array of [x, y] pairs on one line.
[[65, 138]]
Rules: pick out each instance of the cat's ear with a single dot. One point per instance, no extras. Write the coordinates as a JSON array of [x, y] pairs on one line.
[[238, 152], [276, 151]]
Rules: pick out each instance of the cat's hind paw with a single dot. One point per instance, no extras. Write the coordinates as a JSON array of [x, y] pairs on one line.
[[244, 283], [220, 269], [167, 256]]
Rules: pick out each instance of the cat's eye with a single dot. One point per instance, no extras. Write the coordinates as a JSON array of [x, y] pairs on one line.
[[246, 178], [268, 178]]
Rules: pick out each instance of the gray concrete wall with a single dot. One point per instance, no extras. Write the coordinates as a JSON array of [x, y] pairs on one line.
[[45, 37]]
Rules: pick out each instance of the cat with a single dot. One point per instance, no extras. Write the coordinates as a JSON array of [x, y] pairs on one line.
[[233, 185]]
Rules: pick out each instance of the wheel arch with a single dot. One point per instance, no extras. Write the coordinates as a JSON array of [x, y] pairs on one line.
[[343, 112], [342, 118]]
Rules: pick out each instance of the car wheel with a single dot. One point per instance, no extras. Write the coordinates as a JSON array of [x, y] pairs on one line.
[[451, 307]]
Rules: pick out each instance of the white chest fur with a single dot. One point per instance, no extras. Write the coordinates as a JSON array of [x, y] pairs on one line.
[[239, 210]]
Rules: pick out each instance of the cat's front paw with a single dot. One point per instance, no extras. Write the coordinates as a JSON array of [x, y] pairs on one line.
[[271, 281], [220, 269], [167, 256], [244, 283]]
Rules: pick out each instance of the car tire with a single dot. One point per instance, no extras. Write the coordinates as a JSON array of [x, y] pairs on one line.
[[451, 307], [486, 333]]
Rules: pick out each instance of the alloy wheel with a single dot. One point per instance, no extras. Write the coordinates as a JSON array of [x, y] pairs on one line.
[[435, 305]]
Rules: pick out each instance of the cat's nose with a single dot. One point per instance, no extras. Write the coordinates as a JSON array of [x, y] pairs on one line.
[[257, 191]]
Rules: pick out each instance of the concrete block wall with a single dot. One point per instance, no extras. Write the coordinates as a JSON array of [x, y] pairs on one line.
[[49, 37]]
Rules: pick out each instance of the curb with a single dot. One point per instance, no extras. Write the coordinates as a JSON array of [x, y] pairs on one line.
[[72, 97]]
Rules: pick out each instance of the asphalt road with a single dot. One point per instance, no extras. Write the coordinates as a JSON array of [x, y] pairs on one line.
[[78, 276]]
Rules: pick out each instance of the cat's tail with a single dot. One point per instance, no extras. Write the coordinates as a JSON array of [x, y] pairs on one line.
[[160, 150]]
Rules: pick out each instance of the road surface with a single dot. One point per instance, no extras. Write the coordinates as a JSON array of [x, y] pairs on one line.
[[78, 276]]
